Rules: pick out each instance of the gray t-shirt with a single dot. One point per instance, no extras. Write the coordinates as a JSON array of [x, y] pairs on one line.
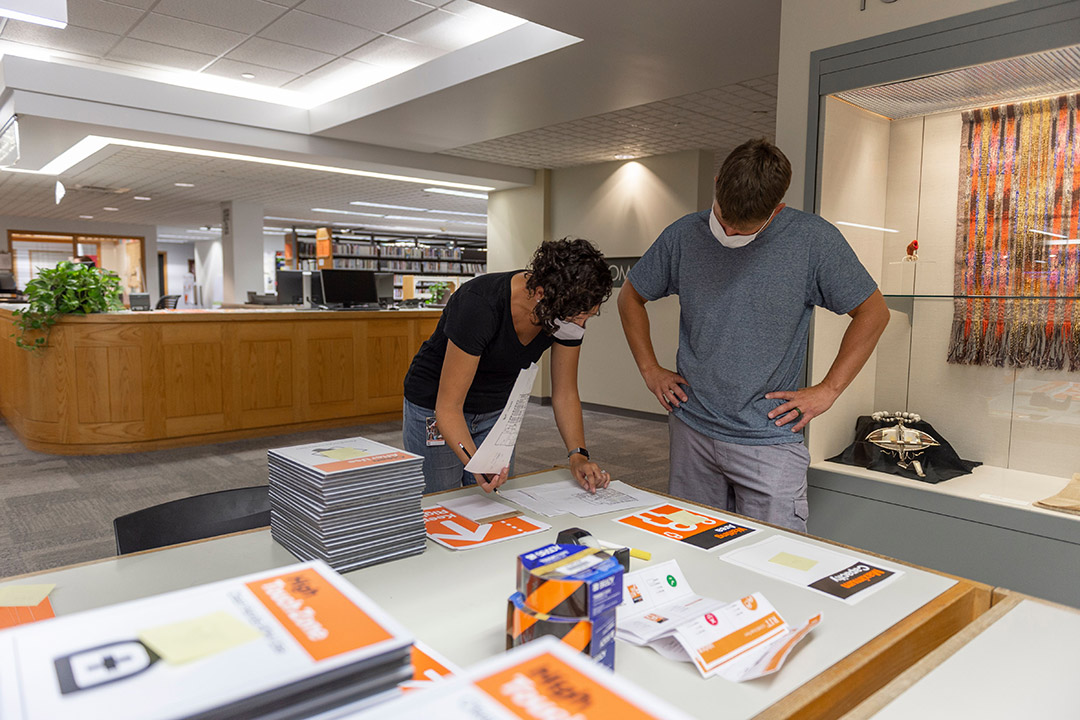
[[746, 312]]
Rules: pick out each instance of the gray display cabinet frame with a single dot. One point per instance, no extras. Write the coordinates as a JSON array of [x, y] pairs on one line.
[[1032, 552]]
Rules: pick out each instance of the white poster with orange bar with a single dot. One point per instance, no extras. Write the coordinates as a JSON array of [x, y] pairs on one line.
[[542, 679], [198, 650]]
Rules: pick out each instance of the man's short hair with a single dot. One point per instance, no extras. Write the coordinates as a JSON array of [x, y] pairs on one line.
[[752, 181]]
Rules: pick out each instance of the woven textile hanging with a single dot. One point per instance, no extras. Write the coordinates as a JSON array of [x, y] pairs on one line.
[[1017, 237]]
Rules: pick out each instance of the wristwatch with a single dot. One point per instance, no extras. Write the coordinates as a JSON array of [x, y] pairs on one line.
[[581, 450]]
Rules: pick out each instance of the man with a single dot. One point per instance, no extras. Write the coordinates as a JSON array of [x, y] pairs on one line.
[[748, 274]]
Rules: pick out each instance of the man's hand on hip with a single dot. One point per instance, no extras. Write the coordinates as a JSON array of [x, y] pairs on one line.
[[664, 384], [802, 405]]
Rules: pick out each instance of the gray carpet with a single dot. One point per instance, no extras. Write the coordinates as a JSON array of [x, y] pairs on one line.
[[58, 510]]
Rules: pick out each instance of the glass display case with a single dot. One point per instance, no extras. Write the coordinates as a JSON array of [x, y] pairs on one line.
[[968, 220]]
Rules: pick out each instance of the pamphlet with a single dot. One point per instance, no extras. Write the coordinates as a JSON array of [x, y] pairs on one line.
[[738, 641], [495, 452], [458, 532], [479, 508], [561, 497], [542, 679], [691, 527], [840, 576]]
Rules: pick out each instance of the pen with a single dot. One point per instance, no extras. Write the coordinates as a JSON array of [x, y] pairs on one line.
[[494, 490]]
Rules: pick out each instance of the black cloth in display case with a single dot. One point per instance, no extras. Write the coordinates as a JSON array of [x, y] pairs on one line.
[[939, 463]]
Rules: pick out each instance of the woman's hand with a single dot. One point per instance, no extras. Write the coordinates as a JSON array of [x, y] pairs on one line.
[[488, 483], [588, 474]]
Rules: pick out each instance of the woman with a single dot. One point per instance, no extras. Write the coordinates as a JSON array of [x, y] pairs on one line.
[[494, 326]]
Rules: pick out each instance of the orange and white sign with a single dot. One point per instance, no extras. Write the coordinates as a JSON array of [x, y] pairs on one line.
[[458, 532], [429, 667], [690, 527], [10, 616], [317, 614]]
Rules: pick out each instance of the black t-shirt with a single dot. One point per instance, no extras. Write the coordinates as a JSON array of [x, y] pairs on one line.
[[478, 319]]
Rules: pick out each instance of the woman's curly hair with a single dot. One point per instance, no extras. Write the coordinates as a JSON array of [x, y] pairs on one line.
[[575, 278]]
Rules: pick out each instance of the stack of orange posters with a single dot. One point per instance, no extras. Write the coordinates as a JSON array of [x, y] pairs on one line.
[[543, 679], [287, 643], [352, 502], [738, 641]]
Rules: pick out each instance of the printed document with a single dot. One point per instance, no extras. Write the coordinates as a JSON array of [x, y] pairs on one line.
[[738, 641], [561, 497], [494, 453], [840, 576]]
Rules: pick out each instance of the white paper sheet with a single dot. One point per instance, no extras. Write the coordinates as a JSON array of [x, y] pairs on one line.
[[842, 577], [495, 452], [478, 508], [559, 498]]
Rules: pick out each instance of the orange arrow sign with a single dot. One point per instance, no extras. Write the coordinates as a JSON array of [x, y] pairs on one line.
[[457, 532]]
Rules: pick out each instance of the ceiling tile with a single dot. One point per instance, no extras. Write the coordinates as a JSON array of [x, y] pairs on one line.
[[246, 16], [273, 54], [319, 33], [263, 75], [146, 53], [393, 53], [72, 39], [141, 4], [338, 73], [443, 30], [185, 34], [103, 16], [377, 15]]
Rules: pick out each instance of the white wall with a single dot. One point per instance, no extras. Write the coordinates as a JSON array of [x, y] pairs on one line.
[[855, 161], [209, 273], [176, 265], [272, 244], [808, 25], [622, 207], [88, 227]]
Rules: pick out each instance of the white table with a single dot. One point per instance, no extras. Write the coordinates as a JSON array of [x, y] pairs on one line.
[[456, 602]]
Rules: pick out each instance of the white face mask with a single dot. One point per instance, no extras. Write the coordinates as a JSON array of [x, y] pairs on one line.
[[565, 330], [732, 241]]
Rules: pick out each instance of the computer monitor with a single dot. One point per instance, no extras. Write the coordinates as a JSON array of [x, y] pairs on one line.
[[350, 288], [316, 287], [384, 288], [7, 282], [290, 287]]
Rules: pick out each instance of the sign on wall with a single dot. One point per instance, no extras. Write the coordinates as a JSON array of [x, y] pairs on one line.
[[620, 267]]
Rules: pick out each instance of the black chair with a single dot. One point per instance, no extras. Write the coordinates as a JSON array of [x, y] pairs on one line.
[[167, 302], [193, 518]]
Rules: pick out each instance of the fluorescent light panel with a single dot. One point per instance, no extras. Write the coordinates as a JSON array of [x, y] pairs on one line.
[[388, 207], [444, 191], [867, 227], [52, 13], [345, 212]]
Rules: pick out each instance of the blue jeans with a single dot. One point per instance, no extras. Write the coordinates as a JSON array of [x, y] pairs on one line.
[[442, 468]]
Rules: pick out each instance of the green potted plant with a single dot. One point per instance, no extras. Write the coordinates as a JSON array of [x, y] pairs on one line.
[[438, 291], [67, 289]]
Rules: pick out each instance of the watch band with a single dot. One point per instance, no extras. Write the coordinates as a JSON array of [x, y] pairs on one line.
[[581, 450]]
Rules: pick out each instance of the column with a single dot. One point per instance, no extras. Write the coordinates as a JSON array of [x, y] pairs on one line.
[[241, 249]]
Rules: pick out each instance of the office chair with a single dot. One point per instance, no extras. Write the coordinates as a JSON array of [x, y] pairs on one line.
[[192, 518], [167, 302]]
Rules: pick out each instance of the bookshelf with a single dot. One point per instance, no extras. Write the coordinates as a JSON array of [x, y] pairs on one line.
[[400, 254]]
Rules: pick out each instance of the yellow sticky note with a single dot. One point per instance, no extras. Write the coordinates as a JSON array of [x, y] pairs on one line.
[[684, 517], [199, 637], [24, 595], [793, 561]]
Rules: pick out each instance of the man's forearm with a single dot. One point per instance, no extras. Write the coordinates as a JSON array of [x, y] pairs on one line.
[[860, 339]]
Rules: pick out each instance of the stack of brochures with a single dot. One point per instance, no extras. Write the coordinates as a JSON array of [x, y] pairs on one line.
[[286, 643], [352, 502]]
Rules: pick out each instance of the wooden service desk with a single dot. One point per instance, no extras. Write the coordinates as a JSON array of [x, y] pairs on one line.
[[456, 603], [130, 382]]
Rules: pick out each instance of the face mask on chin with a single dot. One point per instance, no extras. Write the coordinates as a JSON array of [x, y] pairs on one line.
[[732, 241], [565, 330]]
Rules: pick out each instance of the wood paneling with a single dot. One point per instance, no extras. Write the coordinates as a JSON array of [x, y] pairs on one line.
[[141, 381]]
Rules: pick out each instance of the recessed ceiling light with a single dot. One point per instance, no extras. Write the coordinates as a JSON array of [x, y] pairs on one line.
[[184, 184], [141, 197], [389, 207], [248, 76], [110, 209], [459, 212], [444, 191], [87, 217], [54, 15], [625, 156]]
